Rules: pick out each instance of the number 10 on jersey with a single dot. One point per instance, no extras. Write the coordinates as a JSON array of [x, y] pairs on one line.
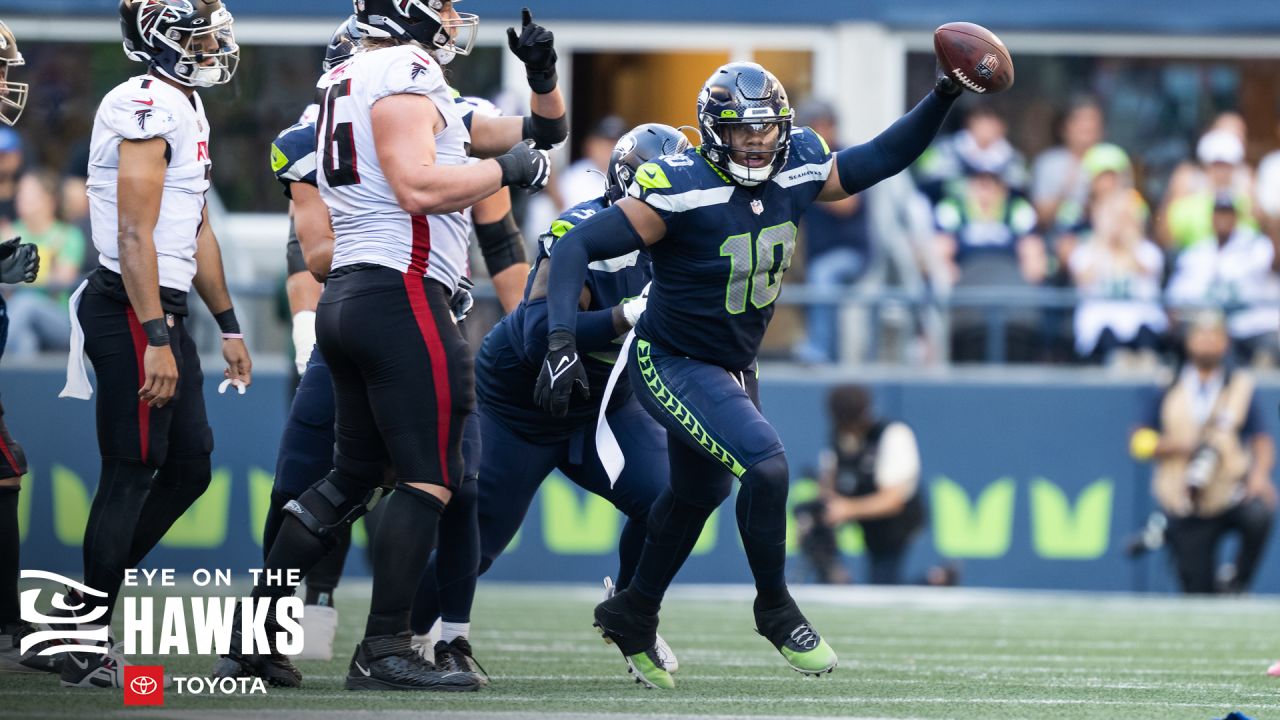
[[756, 268]]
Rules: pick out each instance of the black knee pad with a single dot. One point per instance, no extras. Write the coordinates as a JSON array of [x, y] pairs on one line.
[[191, 474], [331, 504], [367, 472]]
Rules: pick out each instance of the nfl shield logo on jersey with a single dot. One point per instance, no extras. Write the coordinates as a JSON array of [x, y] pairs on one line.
[[757, 207]]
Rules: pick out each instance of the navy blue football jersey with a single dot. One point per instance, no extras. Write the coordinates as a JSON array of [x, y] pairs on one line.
[[718, 270], [508, 362], [293, 155]]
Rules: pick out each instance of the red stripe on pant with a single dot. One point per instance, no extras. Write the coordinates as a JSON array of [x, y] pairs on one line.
[[8, 456], [417, 292], [140, 350]]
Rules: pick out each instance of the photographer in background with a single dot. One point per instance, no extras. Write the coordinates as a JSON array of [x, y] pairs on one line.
[[1213, 458], [869, 475]]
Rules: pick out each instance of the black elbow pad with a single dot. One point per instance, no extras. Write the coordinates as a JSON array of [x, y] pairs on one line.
[[501, 243], [546, 132]]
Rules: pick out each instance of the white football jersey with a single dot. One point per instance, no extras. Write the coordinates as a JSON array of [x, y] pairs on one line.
[[369, 225], [142, 108]]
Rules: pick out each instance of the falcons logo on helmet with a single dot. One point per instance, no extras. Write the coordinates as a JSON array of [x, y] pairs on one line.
[[154, 12]]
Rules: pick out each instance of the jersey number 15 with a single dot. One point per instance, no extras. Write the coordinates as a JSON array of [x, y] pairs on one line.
[[338, 154]]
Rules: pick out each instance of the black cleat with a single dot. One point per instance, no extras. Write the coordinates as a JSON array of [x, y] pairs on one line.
[[275, 668], [456, 656], [635, 636], [800, 645], [12, 660], [388, 662]]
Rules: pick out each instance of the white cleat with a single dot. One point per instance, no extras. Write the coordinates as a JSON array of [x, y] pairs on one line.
[[666, 656], [319, 625]]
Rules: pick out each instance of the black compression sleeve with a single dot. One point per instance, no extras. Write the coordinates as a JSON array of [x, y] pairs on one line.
[[293, 258], [893, 150], [607, 234], [545, 132], [501, 243]]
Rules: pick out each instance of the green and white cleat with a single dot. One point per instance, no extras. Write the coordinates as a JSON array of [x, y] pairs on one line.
[[633, 634], [800, 645], [666, 656]]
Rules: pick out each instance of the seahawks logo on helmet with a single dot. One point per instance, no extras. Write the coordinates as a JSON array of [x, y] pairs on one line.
[[643, 144]]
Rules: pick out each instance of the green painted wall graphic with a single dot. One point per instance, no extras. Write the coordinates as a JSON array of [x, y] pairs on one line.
[[978, 529], [1058, 533]]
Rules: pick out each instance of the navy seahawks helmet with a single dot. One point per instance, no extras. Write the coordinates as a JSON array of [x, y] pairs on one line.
[[644, 143], [421, 22], [343, 44], [737, 94], [178, 37]]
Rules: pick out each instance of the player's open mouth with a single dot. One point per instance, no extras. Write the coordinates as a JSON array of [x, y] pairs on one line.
[[757, 160]]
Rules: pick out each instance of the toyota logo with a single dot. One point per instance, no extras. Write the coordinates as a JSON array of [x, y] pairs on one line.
[[144, 685]]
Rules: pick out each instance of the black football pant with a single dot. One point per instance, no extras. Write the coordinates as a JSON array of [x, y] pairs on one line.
[[155, 461], [13, 464], [403, 385]]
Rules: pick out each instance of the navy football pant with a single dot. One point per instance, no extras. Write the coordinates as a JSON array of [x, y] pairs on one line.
[[512, 469], [304, 458], [716, 434]]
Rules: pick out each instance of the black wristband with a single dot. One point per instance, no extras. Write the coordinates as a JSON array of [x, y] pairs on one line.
[[545, 132], [227, 323], [157, 332], [510, 168], [542, 81]]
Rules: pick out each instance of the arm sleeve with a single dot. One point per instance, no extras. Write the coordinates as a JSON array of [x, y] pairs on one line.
[[893, 150], [605, 235], [501, 244], [594, 331]]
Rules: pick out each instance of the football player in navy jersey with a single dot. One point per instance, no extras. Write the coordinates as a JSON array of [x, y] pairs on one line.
[[720, 225], [512, 426]]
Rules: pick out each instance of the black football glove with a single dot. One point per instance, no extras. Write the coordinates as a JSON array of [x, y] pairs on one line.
[[524, 166], [536, 48], [945, 84], [562, 375], [19, 262]]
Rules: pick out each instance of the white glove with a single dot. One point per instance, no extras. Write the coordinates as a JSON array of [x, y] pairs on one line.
[[304, 338], [634, 308]]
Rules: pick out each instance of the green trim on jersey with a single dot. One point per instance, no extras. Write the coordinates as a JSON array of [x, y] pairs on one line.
[[678, 410], [560, 227]]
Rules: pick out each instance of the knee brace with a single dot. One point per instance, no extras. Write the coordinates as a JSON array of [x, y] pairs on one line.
[[331, 504]]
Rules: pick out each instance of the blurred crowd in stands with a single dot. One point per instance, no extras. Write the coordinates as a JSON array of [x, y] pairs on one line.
[[973, 216]]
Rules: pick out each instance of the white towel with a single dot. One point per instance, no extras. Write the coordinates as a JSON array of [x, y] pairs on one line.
[[607, 447], [77, 376]]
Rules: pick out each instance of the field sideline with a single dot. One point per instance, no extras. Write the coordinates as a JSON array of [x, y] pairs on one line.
[[905, 653]]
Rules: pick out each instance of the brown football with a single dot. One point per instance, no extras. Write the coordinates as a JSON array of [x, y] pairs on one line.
[[974, 57]]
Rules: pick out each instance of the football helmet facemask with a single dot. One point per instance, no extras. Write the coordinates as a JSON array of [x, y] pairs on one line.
[[187, 41], [343, 44], [744, 96], [13, 95], [433, 24], [644, 143]]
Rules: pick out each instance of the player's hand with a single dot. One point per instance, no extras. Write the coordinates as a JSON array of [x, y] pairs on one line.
[[535, 46], [635, 307], [239, 366], [562, 375], [160, 371], [943, 82], [19, 262], [523, 166], [461, 302]]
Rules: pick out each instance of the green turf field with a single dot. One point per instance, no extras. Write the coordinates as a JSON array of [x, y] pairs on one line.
[[913, 653]]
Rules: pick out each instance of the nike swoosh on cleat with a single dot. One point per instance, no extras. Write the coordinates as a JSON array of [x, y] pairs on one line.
[[82, 664], [364, 672]]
